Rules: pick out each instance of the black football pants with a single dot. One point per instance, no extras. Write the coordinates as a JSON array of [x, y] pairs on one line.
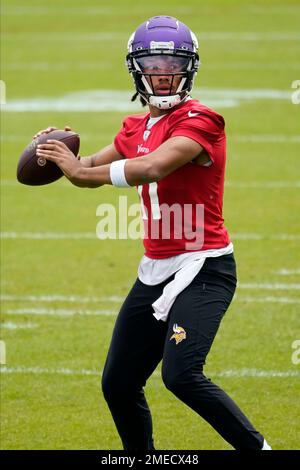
[[140, 342]]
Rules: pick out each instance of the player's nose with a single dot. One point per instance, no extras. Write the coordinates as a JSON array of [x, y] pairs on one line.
[[164, 78]]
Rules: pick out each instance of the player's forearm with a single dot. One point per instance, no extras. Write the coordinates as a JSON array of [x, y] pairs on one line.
[[87, 162], [105, 156], [137, 171]]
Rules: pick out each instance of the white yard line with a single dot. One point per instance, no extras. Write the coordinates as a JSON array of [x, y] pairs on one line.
[[231, 373], [67, 312], [17, 326], [276, 10], [120, 100], [60, 298], [48, 10], [239, 65], [259, 138], [50, 298], [44, 370], [251, 36], [59, 312], [267, 299], [92, 236], [49, 235], [86, 10], [50, 66], [269, 286], [258, 236], [247, 138], [268, 138], [265, 185], [287, 272]]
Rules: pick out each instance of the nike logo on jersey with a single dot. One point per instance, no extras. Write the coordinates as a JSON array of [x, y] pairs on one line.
[[190, 114]]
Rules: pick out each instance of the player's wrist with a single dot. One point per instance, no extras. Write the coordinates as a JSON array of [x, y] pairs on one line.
[[86, 162], [117, 174]]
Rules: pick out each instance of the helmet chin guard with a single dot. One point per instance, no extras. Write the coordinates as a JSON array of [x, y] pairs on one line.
[[165, 102], [160, 47]]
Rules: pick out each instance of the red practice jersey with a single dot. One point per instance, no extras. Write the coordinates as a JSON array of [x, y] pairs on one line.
[[188, 202]]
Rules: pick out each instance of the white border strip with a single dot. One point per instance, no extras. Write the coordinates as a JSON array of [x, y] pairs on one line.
[[231, 373]]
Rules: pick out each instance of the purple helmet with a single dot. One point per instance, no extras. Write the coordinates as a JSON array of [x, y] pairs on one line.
[[163, 46]]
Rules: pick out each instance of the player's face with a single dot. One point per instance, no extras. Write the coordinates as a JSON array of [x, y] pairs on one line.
[[161, 69]]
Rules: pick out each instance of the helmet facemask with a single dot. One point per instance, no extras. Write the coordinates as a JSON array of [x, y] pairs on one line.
[[176, 71]]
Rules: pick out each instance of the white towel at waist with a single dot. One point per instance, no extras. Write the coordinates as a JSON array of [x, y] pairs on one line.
[[186, 266]]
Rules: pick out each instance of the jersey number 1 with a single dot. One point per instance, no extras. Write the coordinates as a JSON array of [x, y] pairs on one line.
[[155, 210]]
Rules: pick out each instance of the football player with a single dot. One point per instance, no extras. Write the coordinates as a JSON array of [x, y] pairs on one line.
[[175, 155]]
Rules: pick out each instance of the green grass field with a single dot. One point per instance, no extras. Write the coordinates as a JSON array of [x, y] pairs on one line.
[[62, 287]]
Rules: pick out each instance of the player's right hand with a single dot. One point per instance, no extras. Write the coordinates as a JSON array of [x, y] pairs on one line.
[[49, 129]]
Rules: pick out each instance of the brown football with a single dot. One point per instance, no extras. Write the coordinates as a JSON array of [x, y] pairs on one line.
[[36, 171]]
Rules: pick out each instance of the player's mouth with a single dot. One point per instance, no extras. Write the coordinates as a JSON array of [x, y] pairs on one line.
[[163, 90]]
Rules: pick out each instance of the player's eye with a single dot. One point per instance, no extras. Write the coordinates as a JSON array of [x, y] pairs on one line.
[[162, 65], [153, 68], [175, 67]]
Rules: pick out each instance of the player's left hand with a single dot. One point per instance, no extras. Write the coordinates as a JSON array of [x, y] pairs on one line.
[[60, 154]]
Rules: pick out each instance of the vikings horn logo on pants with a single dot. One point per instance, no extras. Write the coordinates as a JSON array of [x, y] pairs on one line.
[[179, 334]]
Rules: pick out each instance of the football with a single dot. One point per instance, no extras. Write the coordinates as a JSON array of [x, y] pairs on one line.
[[36, 171]]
